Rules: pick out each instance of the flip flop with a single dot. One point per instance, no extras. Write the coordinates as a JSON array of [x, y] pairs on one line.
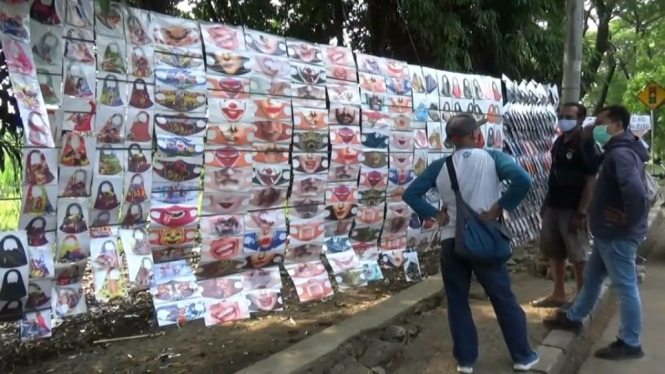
[[547, 303]]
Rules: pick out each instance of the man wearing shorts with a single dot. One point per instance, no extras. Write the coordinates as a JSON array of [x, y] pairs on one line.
[[572, 178]]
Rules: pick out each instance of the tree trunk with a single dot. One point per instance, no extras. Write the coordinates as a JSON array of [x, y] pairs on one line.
[[600, 103], [602, 43]]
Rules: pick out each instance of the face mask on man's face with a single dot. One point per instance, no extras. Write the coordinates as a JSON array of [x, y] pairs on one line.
[[566, 125]]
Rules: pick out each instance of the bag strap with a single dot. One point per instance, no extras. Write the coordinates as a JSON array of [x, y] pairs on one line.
[[452, 173]]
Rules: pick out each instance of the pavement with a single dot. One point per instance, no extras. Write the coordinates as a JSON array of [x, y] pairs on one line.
[[653, 305]]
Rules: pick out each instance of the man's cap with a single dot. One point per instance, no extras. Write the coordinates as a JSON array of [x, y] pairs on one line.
[[462, 125]]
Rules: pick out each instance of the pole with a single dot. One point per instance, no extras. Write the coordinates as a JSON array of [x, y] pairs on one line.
[[572, 55], [653, 137]]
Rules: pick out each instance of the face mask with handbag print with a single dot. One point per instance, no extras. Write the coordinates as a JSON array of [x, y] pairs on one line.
[[140, 128], [12, 311], [46, 14], [47, 49], [140, 97], [140, 63], [106, 197], [12, 253], [113, 61], [76, 83], [137, 162], [13, 286], [111, 91]]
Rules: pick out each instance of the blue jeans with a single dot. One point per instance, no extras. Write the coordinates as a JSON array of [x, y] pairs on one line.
[[495, 279], [616, 259]]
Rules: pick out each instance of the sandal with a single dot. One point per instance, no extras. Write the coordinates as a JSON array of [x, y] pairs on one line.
[[547, 303]]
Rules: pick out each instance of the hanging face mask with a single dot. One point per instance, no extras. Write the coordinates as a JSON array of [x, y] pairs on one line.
[[12, 253], [136, 192], [137, 34], [47, 48], [109, 163], [140, 63], [181, 100], [490, 137], [134, 215], [111, 91], [174, 216], [77, 49], [74, 151], [113, 61], [76, 14], [76, 83], [137, 161], [106, 197], [44, 13], [566, 125], [74, 222], [13, 286], [600, 135], [70, 249], [36, 230], [140, 128], [37, 169], [46, 86], [179, 146], [77, 184], [112, 132], [180, 125], [177, 171], [140, 97], [37, 201]]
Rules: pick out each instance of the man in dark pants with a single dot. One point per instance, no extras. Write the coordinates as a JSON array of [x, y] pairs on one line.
[[479, 173], [618, 221], [572, 177]]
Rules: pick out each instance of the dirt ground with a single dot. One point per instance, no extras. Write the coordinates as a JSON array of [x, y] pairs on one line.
[[192, 348]]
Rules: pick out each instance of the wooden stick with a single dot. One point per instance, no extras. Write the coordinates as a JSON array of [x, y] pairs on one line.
[[120, 339]]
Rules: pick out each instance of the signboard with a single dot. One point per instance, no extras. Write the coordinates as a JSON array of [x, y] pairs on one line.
[[653, 95]]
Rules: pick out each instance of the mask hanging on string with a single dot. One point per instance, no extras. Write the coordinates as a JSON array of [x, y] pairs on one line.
[[74, 221], [74, 151], [140, 97], [140, 129], [37, 201], [136, 192], [111, 91], [106, 197]]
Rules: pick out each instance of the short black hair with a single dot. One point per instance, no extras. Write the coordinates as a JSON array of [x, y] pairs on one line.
[[461, 126], [617, 113], [581, 109]]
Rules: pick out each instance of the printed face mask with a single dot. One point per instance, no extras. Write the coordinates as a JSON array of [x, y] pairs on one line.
[[311, 141], [106, 197], [141, 65], [73, 222], [76, 83], [180, 125], [175, 194], [273, 240], [46, 49], [172, 236], [180, 78], [174, 216], [179, 146], [177, 36], [229, 63], [74, 151], [177, 171], [140, 96], [37, 169], [114, 60], [136, 192], [137, 162]]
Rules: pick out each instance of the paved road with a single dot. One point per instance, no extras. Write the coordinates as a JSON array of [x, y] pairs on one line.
[[653, 304]]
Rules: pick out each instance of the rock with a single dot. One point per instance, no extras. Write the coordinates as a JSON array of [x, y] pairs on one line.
[[378, 370], [349, 366], [380, 353], [395, 334]]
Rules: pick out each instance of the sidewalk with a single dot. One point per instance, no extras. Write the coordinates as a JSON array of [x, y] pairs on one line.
[[653, 305]]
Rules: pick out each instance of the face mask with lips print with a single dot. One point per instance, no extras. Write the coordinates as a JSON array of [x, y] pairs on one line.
[[271, 154], [342, 194], [177, 36], [180, 100], [177, 171], [229, 63], [271, 176], [273, 240], [178, 146], [345, 115], [174, 216], [400, 177]]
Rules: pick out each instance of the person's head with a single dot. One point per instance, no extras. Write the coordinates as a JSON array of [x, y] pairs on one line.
[[571, 116], [611, 120], [464, 131]]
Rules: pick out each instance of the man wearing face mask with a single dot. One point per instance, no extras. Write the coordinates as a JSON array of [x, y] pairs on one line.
[[479, 173], [618, 221], [572, 177]]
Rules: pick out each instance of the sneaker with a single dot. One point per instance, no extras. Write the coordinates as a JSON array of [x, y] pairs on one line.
[[465, 369], [528, 366], [619, 351], [560, 321]]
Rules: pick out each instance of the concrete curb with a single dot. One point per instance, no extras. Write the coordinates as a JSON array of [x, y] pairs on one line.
[[557, 345], [300, 355]]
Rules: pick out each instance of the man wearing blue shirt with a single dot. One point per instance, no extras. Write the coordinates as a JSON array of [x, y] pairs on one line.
[[479, 173]]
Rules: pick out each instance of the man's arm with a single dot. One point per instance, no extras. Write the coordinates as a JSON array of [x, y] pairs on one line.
[[414, 195], [592, 158], [519, 180], [633, 192]]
